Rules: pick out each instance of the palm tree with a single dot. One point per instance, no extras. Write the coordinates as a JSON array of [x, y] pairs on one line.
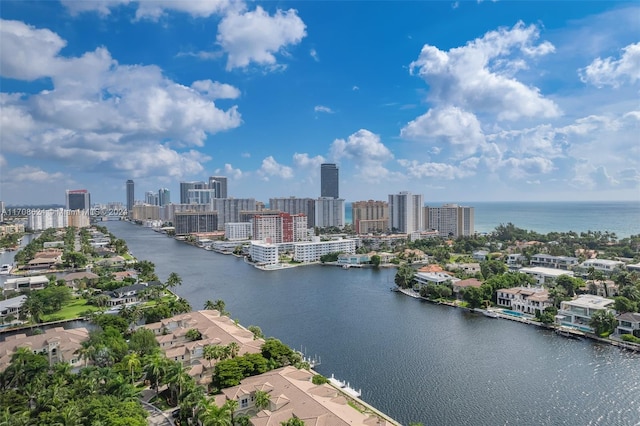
[[234, 349], [262, 400], [174, 280], [177, 378], [219, 306], [209, 305], [232, 406], [209, 414], [293, 421], [155, 369], [211, 352], [133, 364]]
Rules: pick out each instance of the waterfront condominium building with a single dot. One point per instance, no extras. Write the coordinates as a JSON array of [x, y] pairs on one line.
[[329, 180], [330, 212], [370, 216], [78, 199], [219, 184], [405, 212], [167, 213], [229, 209], [294, 205], [280, 228], [164, 197], [186, 186], [238, 231], [264, 253], [450, 220], [130, 196], [311, 251], [145, 212], [40, 220], [192, 222]]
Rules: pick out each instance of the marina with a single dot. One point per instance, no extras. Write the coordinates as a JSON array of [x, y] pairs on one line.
[[345, 387]]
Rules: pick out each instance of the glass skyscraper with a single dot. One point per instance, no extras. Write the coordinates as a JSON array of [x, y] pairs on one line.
[[329, 180]]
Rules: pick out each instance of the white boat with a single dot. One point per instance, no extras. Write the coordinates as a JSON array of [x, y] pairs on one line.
[[5, 269], [490, 314], [345, 387]]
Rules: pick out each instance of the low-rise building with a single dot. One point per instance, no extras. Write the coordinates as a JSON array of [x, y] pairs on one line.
[[467, 268], [527, 300], [629, 323], [480, 255], [11, 307], [516, 260], [312, 251], [37, 282], [544, 275], [460, 286], [557, 262], [439, 278], [293, 394], [578, 312], [606, 266], [353, 259], [215, 329], [57, 344], [264, 253]]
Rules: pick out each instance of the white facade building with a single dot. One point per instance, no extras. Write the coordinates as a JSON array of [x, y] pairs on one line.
[[311, 252], [406, 212], [438, 278], [229, 209], [450, 220], [40, 219], [235, 231], [524, 299], [544, 275], [603, 265], [264, 253], [578, 312], [558, 262], [330, 212]]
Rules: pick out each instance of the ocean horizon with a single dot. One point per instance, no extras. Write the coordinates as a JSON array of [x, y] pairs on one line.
[[619, 217]]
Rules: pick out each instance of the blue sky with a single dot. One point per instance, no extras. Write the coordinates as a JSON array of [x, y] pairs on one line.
[[459, 101]]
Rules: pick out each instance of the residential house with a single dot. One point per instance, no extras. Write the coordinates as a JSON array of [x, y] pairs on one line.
[[37, 282], [629, 323], [606, 266], [480, 255], [129, 294], [545, 275], [293, 394], [578, 312], [215, 329], [46, 259], [557, 262], [460, 286], [77, 279], [528, 300], [353, 259], [516, 260], [438, 278], [467, 268], [57, 344], [11, 307]]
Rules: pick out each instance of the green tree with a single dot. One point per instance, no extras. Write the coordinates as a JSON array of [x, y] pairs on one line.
[[405, 276], [474, 296], [262, 400], [293, 421], [375, 260], [570, 284], [209, 414], [173, 280], [143, 342], [603, 322], [319, 379], [74, 259], [193, 334], [623, 304], [257, 332]]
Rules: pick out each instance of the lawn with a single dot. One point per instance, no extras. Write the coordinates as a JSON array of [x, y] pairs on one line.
[[72, 310]]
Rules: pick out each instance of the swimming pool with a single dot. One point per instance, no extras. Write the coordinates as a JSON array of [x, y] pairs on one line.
[[512, 313]]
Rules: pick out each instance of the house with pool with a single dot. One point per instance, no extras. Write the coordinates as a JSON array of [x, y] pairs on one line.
[[577, 313]]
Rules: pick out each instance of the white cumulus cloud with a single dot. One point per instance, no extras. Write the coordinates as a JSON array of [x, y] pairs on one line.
[[100, 110], [478, 77], [255, 36], [215, 90], [270, 167], [614, 72], [303, 161], [322, 108], [367, 152]]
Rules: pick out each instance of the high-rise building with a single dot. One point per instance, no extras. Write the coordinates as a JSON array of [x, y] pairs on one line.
[[164, 197], [200, 196], [330, 212], [190, 222], [219, 183], [130, 197], [450, 220], [186, 186], [329, 180], [405, 212], [78, 199], [293, 205], [280, 228], [229, 209], [370, 216], [151, 198]]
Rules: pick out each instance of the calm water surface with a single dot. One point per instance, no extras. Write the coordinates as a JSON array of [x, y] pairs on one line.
[[413, 360]]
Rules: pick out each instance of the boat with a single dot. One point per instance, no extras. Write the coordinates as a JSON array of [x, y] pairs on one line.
[[345, 387], [5, 269], [488, 313]]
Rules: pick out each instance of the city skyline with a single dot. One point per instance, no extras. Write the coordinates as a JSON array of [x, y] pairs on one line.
[[458, 101]]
